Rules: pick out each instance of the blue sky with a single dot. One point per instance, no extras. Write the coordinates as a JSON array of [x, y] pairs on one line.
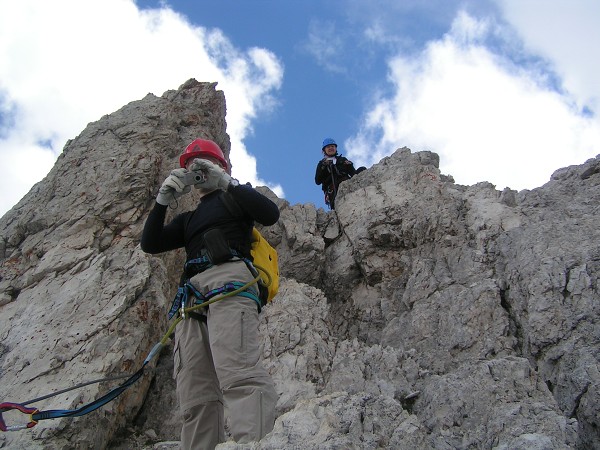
[[505, 91]]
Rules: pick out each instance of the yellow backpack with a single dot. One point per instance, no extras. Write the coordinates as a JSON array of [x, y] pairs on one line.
[[266, 262]]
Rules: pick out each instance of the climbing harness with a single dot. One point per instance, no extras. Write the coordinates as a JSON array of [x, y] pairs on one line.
[[184, 292], [198, 265], [35, 415], [331, 191], [330, 196]]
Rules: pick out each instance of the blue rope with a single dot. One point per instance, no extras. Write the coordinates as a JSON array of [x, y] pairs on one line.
[[85, 409], [114, 393]]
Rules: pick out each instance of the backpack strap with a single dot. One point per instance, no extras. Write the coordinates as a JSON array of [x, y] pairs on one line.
[[231, 204], [233, 207]]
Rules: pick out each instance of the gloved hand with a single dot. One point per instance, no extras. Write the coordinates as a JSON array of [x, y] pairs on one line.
[[172, 188], [216, 177]]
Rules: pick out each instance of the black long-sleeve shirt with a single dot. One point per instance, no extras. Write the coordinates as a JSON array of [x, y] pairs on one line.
[[342, 169], [187, 229]]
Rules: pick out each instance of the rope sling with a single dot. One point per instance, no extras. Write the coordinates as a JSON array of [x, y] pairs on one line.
[[35, 415]]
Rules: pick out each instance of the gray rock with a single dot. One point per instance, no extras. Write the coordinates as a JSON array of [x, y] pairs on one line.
[[419, 314]]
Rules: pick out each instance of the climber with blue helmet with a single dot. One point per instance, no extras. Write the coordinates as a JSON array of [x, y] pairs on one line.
[[332, 170]]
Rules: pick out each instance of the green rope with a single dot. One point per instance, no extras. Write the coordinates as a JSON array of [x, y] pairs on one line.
[[171, 329]]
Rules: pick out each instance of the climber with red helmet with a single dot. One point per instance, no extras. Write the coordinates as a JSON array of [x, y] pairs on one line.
[[201, 148], [217, 350], [332, 170]]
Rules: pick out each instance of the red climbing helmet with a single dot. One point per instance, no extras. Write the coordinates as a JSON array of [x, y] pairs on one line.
[[202, 147]]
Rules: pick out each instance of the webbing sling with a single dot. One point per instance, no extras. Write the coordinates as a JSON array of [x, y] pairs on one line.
[[36, 415]]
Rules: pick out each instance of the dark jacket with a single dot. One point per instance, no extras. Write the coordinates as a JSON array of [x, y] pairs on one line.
[[333, 170], [187, 229]]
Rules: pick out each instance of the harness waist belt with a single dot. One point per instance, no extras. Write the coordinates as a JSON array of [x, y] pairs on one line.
[[184, 292]]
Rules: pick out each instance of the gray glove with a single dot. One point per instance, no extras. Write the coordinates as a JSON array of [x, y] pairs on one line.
[[173, 187], [216, 177]]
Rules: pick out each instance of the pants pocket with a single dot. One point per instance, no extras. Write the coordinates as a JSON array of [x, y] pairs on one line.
[[249, 346]]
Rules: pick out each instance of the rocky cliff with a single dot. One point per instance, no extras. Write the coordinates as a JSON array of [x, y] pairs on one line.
[[420, 314]]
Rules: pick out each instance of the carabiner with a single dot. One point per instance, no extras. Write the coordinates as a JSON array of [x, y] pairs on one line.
[[7, 406], [182, 309]]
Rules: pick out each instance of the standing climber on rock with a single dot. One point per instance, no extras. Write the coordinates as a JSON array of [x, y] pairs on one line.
[[332, 170], [217, 351]]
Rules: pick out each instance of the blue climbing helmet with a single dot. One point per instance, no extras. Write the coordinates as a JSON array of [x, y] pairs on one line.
[[326, 142]]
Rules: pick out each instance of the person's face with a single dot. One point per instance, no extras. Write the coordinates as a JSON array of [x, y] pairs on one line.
[[330, 149]]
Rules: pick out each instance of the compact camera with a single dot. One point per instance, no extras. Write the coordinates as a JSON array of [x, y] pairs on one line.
[[192, 178]]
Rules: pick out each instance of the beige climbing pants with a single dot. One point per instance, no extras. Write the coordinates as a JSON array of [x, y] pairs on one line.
[[217, 362]]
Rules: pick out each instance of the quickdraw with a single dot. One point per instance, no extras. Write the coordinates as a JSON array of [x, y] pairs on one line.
[[7, 406]]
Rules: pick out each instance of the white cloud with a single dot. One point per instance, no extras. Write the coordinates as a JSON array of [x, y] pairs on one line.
[[488, 119], [66, 63], [325, 44], [567, 34]]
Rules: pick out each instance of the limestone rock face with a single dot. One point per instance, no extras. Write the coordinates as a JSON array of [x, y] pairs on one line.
[[79, 300], [419, 314]]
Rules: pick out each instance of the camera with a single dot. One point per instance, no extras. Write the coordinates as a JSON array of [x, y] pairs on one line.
[[192, 178]]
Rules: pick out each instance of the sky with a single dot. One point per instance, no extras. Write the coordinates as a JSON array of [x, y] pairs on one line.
[[505, 91]]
